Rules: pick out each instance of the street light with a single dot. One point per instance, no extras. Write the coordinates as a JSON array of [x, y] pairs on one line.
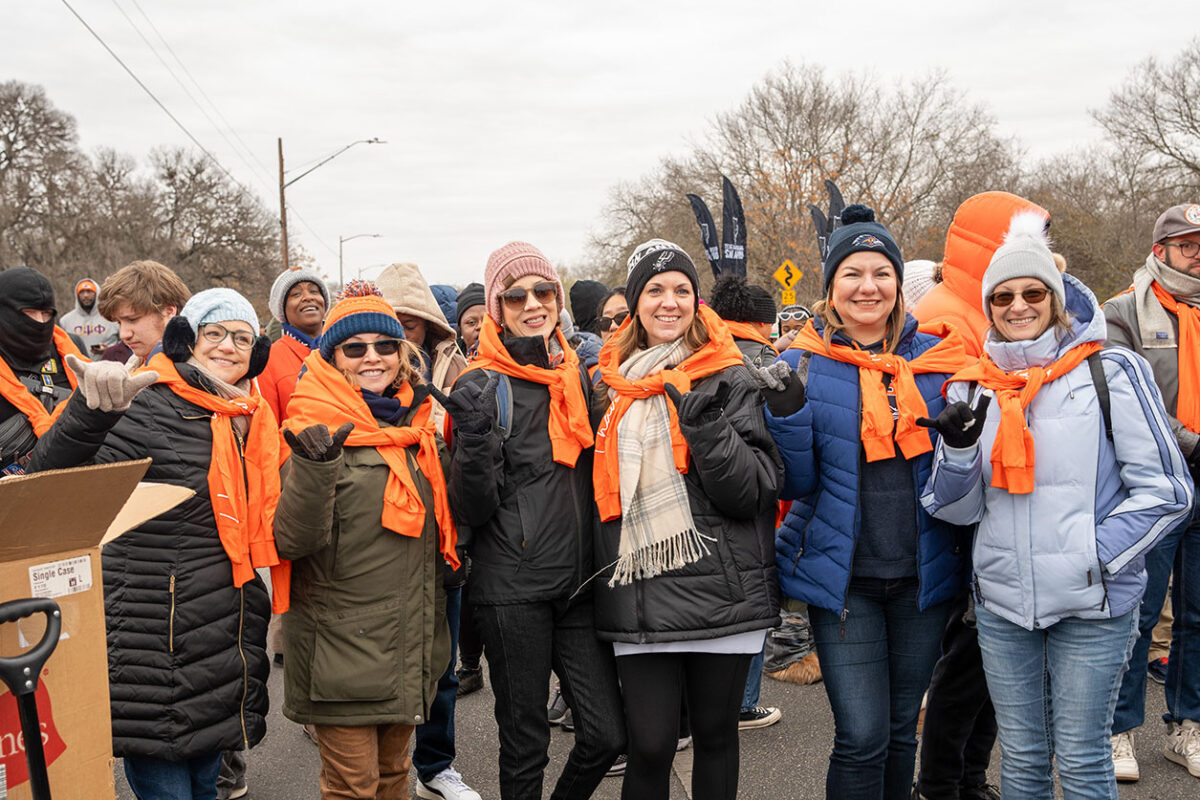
[[283, 185], [342, 240]]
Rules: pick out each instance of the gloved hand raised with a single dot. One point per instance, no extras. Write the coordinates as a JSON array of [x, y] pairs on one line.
[[315, 443], [472, 409], [781, 387], [107, 385], [698, 408], [958, 425]]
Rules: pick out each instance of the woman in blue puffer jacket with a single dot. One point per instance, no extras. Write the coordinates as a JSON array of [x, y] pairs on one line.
[[1058, 553], [878, 573]]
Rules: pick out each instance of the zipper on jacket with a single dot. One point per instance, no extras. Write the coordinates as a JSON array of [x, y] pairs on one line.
[[804, 533], [171, 619], [857, 523], [975, 586], [1104, 583], [245, 666]]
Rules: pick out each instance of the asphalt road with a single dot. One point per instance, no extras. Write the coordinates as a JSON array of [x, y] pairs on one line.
[[786, 761]]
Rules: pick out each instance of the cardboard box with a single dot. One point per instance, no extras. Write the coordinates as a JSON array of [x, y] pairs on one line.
[[51, 527]]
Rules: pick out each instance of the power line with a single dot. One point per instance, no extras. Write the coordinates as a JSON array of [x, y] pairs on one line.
[[157, 102]]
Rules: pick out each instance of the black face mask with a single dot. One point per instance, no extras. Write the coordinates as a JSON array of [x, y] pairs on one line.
[[22, 338]]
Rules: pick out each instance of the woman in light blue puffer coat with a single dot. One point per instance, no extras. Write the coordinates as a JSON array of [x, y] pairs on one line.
[[1068, 499]]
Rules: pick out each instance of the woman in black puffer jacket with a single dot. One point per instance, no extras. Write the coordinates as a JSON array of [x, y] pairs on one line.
[[687, 491], [186, 613]]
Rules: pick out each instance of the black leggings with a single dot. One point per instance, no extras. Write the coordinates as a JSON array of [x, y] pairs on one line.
[[652, 685]]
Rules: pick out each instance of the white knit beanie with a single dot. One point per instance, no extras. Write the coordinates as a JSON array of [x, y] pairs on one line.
[[1024, 254], [277, 302]]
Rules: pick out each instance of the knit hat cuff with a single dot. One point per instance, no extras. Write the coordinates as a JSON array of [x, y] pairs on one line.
[[218, 305], [353, 324], [277, 301]]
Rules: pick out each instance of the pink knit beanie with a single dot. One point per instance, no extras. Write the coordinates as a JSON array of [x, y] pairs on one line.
[[512, 262]]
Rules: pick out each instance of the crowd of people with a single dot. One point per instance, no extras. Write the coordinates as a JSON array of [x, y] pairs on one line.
[[399, 483]]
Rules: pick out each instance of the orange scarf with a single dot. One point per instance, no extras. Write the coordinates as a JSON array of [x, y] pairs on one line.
[[745, 330], [243, 481], [1013, 452], [18, 394], [324, 397], [1187, 408], [719, 353], [881, 431], [570, 429]]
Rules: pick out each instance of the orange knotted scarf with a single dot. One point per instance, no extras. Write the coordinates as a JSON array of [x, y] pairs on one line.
[[570, 429], [1188, 406], [16, 393], [719, 353], [881, 431], [1013, 452], [243, 480], [746, 330], [324, 397]]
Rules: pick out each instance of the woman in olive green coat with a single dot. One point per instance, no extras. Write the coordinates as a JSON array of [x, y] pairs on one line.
[[367, 529]]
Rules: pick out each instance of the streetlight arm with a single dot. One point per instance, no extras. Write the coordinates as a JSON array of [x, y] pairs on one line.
[[325, 161]]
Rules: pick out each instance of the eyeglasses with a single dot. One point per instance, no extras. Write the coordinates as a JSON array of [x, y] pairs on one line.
[[543, 292], [616, 319], [1186, 249], [215, 332], [382, 347], [1030, 296], [796, 315]]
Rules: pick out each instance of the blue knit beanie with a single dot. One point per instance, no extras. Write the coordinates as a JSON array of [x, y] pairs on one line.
[[860, 232], [218, 305]]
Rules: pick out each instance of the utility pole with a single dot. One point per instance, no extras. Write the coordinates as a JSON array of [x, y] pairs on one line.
[[282, 208]]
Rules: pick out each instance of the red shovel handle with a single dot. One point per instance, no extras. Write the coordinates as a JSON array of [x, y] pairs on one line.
[[20, 673]]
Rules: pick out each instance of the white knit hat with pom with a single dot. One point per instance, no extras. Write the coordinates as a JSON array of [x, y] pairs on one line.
[[1024, 254]]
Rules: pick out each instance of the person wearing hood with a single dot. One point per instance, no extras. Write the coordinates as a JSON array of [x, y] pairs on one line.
[[447, 300], [425, 326], [1159, 319], [185, 608], [1071, 475], [586, 296], [86, 322], [298, 301], [524, 488], [34, 380], [878, 573]]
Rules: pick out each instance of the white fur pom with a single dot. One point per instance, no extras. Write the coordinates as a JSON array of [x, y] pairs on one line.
[[1028, 225]]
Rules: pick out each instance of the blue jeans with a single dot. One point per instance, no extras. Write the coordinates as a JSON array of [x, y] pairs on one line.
[[155, 779], [1179, 550], [434, 750], [753, 682], [1054, 690], [876, 663]]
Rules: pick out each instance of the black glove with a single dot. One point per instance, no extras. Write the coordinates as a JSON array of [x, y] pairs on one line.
[[472, 409], [957, 424], [697, 408], [315, 443], [786, 401]]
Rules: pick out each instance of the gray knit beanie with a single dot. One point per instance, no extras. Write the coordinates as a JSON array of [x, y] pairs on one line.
[[218, 305], [1024, 254], [277, 301]]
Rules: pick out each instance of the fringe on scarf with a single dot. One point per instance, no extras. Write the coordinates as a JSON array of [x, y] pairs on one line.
[[685, 547]]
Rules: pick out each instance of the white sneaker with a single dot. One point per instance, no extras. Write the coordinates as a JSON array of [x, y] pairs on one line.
[[1124, 758], [1182, 745], [446, 785]]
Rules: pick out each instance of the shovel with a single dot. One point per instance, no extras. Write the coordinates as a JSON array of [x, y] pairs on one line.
[[20, 675]]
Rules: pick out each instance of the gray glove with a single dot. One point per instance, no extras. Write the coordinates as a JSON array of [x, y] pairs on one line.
[[107, 385]]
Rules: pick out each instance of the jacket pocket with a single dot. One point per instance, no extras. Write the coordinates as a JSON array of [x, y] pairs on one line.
[[355, 655], [733, 578]]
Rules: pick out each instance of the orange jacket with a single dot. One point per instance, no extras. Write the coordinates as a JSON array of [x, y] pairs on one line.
[[278, 380], [977, 230]]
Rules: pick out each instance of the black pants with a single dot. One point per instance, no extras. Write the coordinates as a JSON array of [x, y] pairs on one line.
[[523, 641], [653, 685], [960, 724], [470, 644]]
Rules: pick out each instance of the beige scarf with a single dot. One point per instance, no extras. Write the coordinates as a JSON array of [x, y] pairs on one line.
[[658, 533], [1154, 321]]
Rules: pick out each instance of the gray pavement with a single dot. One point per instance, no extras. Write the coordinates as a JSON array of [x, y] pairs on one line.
[[785, 761]]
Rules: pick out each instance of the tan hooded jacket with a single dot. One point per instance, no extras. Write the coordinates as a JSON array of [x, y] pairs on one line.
[[407, 291]]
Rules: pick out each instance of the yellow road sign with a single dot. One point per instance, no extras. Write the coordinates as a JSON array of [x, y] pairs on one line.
[[787, 274], [789, 297]]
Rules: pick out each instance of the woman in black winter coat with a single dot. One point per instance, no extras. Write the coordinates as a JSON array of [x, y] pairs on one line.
[[186, 613], [523, 486], [686, 490]]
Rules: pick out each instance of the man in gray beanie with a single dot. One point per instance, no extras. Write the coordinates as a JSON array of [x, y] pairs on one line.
[[1160, 320]]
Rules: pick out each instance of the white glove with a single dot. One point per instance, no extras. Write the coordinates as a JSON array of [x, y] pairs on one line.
[[107, 385]]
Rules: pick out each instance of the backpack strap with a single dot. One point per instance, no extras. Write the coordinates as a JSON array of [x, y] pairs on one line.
[[1101, 384], [504, 404]]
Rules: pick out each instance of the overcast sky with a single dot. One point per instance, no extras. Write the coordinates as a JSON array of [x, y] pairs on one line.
[[512, 120]]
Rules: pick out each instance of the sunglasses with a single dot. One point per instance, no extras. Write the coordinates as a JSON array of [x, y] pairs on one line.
[[616, 319], [382, 347], [543, 292], [1030, 296], [216, 333], [796, 315]]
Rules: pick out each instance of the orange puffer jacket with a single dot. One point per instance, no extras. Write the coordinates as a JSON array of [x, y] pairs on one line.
[[977, 230], [278, 380]]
